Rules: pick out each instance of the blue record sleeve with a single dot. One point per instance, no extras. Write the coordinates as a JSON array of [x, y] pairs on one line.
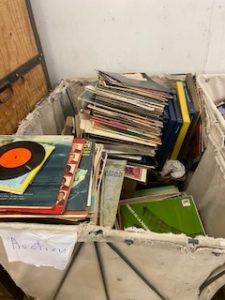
[[169, 123], [190, 105], [171, 139], [179, 123]]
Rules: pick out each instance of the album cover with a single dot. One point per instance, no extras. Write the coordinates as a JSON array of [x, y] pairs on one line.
[[186, 120], [45, 187], [111, 190], [170, 122], [19, 184], [66, 183], [177, 215], [79, 193], [174, 133], [185, 149]]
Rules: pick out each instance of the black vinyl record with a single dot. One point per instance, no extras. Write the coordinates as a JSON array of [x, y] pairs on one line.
[[19, 158]]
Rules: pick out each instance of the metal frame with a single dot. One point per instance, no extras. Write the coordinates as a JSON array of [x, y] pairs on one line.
[[138, 272], [211, 280], [78, 249], [8, 80], [74, 257], [19, 73], [102, 270], [38, 42]]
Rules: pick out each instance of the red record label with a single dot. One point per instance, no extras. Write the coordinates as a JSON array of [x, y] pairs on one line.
[[19, 158], [15, 158]]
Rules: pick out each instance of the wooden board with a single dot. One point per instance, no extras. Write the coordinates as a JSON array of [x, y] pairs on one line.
[[17, 42], [19, 101]]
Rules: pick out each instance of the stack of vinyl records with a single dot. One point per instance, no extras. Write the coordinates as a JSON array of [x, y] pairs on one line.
[[125, 124], [125, 114], [180, 124], [65, 179], [50, 178]]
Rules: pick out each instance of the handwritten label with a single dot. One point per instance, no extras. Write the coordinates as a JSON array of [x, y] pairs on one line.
[[39, 248]]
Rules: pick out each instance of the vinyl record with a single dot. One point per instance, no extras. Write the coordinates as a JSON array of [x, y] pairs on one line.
[[19, 158]]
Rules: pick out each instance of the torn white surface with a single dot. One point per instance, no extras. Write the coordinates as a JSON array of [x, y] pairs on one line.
[[39, 248], [174, 168]]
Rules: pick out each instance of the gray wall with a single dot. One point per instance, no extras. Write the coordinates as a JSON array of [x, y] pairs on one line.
[[166, 36]]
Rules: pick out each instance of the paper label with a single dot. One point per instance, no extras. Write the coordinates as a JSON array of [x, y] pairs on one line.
[[39, 248], [186, 202]]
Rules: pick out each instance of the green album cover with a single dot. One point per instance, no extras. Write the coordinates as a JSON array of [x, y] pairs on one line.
[[177, 215]]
